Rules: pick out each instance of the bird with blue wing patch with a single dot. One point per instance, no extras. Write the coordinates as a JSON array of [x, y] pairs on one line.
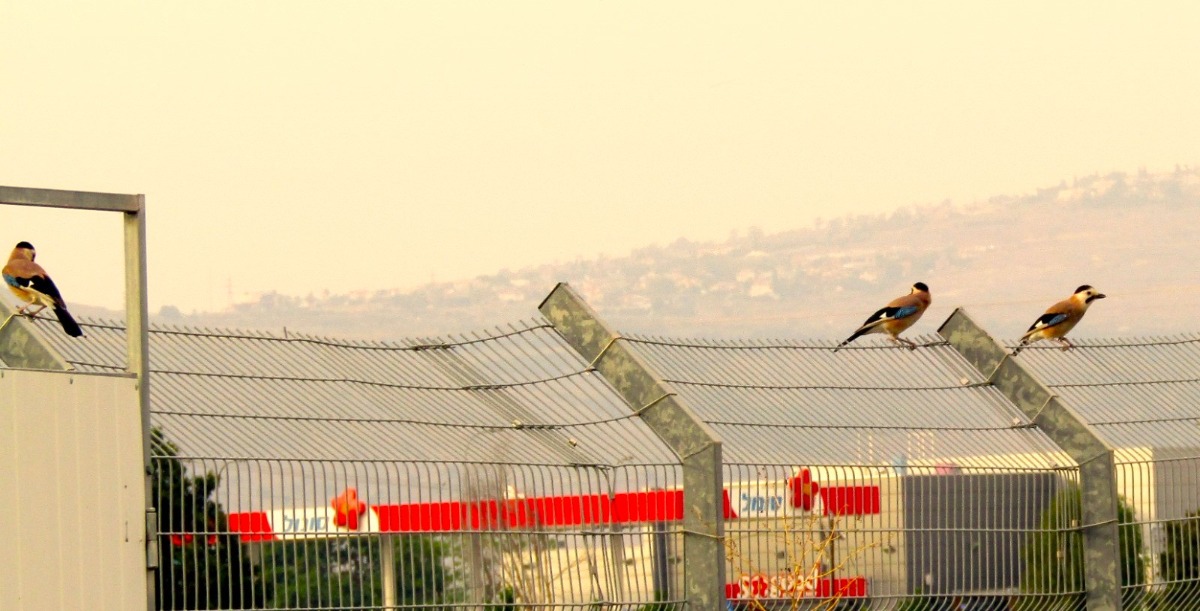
[[897, 316], [28, 281], [1060, 318]]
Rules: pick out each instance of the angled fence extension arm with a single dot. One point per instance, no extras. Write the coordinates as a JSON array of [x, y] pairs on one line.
[[693, 441], [1097, 473]]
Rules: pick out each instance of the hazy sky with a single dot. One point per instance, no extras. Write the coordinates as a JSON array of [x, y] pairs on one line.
[[302, 146]]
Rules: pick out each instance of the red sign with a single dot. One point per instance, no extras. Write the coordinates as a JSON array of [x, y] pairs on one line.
[[851, 500], [788, 586], [804, 490], [835, 500], [189, 538], [555, 511], [347, 509]]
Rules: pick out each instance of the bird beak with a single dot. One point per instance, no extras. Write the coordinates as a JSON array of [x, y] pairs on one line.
[[1101, 296]]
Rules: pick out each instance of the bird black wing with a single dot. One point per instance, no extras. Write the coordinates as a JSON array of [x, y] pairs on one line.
[[891, 313], [46, 286], [1048, 319], [43, 285], [883, 315]]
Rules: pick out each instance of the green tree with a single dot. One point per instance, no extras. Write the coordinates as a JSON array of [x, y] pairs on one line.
[[201, 565], [1179, 564], [1053, 556], [427, 568], [347, 571]]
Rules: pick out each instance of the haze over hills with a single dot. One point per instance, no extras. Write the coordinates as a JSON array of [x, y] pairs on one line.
[[1005, 260]]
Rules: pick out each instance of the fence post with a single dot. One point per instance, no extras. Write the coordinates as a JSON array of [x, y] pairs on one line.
[[387, 566], [660, 570], [1097, 473], [137, 340], [697, 446]]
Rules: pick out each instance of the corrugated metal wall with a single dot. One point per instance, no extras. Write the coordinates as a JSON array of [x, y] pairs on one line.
[[72, 493]]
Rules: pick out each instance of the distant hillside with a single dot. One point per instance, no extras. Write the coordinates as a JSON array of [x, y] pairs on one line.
[[1005, 260]]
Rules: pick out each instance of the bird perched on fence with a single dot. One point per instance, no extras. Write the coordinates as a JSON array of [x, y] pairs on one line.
[[896, 316], [28, 281], [1060, 318]]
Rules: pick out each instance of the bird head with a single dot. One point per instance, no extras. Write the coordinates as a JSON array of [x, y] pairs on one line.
[[1087, 294], [23, 250], [920, 287]]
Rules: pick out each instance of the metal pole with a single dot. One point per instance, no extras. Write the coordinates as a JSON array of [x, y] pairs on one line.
[[616, 541], [661, 570], [387, 566], [693, 441], [1097, 473], [475, 557], [137, 337]]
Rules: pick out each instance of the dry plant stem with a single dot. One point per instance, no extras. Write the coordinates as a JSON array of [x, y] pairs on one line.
[[804, 553]]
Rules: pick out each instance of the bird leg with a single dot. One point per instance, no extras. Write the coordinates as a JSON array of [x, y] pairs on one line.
[[901, 340], [1066, 345], [28, 313]]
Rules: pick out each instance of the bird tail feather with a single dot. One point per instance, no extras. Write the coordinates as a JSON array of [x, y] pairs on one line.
[[857, 334], [68, 322]]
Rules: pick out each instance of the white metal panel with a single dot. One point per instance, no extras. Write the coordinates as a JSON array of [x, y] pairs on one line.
[[72, 514]]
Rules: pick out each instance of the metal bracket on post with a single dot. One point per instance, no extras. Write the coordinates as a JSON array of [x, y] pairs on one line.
[[20, 347], [694, 442], [1097, 473], [152, 539]]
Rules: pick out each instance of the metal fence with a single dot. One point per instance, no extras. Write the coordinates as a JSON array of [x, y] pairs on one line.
[[555, 463], [1141, 395], [470, 540], [490, 470]]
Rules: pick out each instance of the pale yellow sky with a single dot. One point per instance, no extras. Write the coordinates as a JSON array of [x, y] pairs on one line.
[[300, 146]]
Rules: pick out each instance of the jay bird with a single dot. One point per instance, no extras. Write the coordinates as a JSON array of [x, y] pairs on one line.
[[895, 317], [1060, 318], [28, 281]]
